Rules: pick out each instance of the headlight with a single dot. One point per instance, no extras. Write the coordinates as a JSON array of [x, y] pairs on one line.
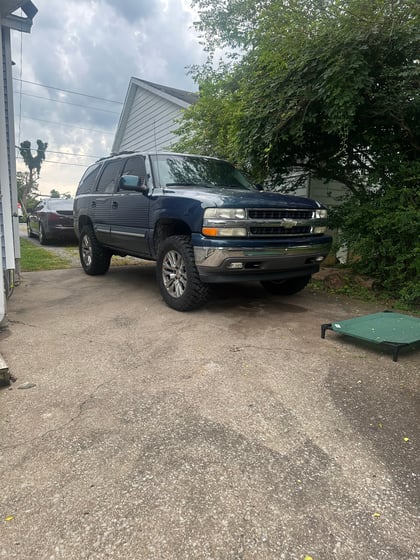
[[224, 232], [320, 213], [224, 214]]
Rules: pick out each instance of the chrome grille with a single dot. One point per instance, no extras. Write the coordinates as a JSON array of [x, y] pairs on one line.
[[280, 222], [278, 214], [297, 230]]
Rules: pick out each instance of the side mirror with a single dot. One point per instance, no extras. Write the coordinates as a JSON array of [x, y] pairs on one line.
[[132, 183]]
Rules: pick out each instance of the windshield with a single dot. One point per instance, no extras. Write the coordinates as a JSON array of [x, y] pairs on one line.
[[174, 170]]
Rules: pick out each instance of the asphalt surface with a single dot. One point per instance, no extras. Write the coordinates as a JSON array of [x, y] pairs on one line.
[[233, 432]]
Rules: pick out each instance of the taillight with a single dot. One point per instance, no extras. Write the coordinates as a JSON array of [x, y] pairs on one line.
[[53, 217]]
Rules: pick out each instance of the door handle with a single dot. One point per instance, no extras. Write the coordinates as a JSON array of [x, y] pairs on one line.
[[114, 204]]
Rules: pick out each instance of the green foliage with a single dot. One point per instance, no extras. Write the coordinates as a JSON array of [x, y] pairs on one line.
[[331, 87], [54, 193], [31, 161], [383, 233], [28, 180], [26, 190]]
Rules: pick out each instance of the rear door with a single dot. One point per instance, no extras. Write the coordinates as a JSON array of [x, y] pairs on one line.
[[130, 212], [100, 203], [35, 217]]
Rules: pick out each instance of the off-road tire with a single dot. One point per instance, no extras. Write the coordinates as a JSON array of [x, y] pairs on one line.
[[286, 287], [177, 275], [94, 258]]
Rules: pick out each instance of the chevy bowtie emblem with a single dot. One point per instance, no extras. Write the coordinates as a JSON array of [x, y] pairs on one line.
[[288, 223]]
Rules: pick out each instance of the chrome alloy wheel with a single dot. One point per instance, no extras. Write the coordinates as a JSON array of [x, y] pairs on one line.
[[87, 251], [174, 274]]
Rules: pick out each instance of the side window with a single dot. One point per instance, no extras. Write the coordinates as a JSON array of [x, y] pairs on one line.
[[109, 176], [87, 182], [135, 166]]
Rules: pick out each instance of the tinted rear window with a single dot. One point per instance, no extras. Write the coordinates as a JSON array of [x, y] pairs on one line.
[[87, 182], [60, 204]]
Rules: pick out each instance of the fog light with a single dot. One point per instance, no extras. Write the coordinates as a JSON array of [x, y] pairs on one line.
[[235, 265], [319, 229], [319, 259]]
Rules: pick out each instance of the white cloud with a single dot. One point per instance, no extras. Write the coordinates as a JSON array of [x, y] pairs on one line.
[[94, 47]]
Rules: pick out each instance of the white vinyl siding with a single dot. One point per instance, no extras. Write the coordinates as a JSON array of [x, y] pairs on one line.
[[150, 123], [329, 194]]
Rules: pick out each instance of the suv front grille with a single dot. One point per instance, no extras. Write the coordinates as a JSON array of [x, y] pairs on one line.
[[297, 230], [280, 222], [278, 214]]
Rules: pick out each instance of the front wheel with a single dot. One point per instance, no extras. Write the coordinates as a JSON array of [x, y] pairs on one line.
[[177, 275], [286, 287], [94, 258], [29, 229]]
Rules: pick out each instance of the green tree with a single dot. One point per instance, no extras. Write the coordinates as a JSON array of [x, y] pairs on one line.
[[27, 191], [54, 193], [330, 86], [33, 162]]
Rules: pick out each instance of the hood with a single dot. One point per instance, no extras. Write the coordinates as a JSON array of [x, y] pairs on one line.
[[240, 198]]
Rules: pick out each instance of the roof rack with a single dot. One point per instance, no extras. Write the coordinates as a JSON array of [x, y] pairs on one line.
[[113, 154]]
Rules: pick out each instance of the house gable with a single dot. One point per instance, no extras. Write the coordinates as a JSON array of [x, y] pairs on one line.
[[148, 117]]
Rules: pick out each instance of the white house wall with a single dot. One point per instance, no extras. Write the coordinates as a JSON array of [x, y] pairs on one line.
[[329, 194], [8, 261], [150, 123]]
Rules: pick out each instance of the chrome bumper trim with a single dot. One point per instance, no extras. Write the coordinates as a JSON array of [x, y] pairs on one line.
[[215, 256]]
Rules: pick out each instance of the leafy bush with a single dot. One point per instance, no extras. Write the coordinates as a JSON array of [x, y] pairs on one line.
[[381, 230]]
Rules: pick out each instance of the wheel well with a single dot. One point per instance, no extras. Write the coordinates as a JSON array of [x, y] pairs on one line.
[[166, 228], [83, 221]]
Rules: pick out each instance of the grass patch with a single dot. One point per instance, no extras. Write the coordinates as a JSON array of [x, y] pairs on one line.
[[34, 258]]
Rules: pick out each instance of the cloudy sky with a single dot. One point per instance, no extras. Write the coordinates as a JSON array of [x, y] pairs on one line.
[[86, 51]]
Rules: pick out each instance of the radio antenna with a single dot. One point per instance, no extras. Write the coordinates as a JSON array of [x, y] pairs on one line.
[[156, 153]]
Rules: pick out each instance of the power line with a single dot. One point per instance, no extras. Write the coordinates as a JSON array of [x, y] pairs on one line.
[[67, 124], [66, 102], [69, 91], [59, 162], [63, 153]]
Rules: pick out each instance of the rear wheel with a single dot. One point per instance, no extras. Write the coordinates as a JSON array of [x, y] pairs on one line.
[[94, 258], [177, 275], [286, 287], [42, 237]]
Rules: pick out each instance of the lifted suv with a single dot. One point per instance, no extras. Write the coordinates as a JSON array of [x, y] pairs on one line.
[[201, 220]]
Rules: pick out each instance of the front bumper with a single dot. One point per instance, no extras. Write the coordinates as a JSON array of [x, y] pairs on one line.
[[232, 264]]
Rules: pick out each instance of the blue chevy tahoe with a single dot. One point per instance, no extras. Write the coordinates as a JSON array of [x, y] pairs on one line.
[[202, 222]]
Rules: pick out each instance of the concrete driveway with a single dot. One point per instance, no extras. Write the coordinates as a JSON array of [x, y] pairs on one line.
[[233, 432]]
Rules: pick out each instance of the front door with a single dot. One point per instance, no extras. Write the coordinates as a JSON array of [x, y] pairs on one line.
[[130, 213]]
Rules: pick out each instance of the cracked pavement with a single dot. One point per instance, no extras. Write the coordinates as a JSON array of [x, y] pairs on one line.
[[233, 432]]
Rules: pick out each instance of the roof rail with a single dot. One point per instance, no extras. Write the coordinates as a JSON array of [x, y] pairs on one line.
[[113, 154]]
